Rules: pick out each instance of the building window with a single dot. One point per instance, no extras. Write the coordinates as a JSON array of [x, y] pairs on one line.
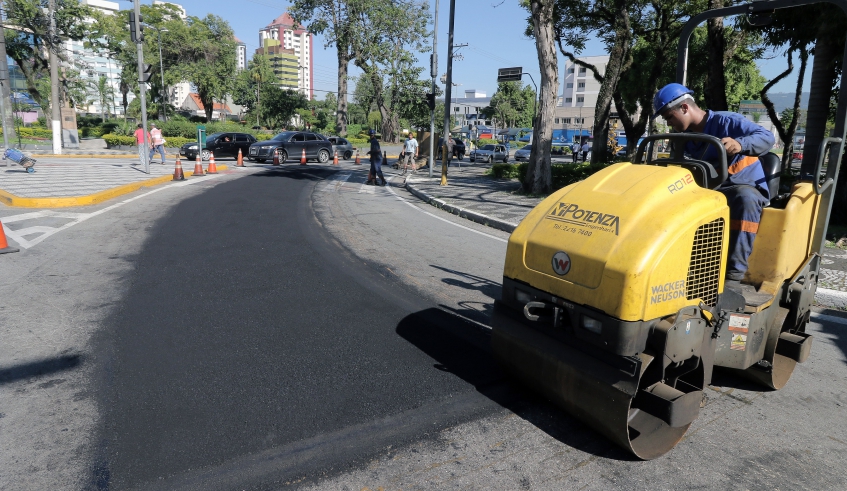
[[568, 99], [582, 70], [557, 121], [566, 120], [570, 70], [570, 85], [580, 99], [580, 85]]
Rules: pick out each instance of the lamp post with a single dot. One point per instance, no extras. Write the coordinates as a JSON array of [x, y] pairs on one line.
[[161, 70]]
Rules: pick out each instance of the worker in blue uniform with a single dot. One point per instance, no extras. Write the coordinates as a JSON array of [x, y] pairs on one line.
[[746, 188]]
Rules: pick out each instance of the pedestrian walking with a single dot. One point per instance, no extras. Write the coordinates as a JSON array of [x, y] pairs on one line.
[[575, 151], [142, 148], [410, 148], [586, 147], [376, 161], [158, 143], [451, 143]]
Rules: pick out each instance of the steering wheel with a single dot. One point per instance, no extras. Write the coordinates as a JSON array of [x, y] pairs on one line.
[[705, 173]]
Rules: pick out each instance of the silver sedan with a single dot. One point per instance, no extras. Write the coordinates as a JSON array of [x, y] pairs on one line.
[[523, 153]]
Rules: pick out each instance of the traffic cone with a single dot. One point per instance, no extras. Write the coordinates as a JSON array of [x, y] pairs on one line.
[[213, 168], [4, 246], [335, 158], [276, 157], [240, 162], [178, 175], [303, 158], [357, 162], [198, 167]]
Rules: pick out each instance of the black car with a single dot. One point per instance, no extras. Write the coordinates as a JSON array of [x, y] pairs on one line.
[[458, 149], [222, 144], [291, 145]]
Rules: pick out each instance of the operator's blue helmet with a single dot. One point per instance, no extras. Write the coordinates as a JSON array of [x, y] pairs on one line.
[[371, 132], [669, 95]]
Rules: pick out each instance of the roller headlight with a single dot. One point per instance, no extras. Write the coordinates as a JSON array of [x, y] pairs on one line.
[[592, 325]]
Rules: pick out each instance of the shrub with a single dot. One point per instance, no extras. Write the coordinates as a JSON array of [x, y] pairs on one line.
[[504, 171], [358, 141], [177, 141], [113, 140], [487, 141], [33, 132], [353, 130]]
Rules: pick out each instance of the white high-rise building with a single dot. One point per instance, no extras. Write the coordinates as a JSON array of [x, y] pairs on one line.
[[92, 66], [240, 55], [575, 107], [180, 9], [299, 41]]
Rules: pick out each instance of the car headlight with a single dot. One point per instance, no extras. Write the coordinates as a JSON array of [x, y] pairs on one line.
[[192, 147], [592, 325], [267, 147]]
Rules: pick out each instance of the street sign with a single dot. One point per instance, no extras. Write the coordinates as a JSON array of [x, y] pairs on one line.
[[509, 74]]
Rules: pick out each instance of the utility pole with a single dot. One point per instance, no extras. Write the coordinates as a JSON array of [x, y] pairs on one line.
[[142, 87], [56, 118], [433, 71], [448, 93], [5, 88]]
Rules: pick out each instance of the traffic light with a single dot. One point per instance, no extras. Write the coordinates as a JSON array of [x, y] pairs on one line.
[[430, 101], [136, 28], [146, 74]]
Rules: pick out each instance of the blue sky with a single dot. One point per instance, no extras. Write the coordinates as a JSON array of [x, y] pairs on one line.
[[493, 33]]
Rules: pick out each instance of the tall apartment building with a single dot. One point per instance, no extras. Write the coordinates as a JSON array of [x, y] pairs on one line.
[[579, 94], [240, 55], [285, 43], [93, 66]]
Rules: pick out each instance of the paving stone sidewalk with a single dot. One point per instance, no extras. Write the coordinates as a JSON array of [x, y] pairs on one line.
[[495, 202]]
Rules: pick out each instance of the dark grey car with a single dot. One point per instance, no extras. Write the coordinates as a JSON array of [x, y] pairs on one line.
[[291, 145]]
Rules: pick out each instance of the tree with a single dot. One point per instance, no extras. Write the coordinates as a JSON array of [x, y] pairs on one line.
[[512, 104], [335, 19], [247, 88], [279, 105], [28, 43], [539, 178]]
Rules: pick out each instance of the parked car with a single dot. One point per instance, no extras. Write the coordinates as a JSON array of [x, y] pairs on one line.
[[345, 148], [522, 154], [489, 153], [459, 149], [222, 144], [291, 145]]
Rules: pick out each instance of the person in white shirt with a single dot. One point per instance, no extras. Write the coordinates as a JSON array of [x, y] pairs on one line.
[[158, 143], [410, 149], [586, 147]]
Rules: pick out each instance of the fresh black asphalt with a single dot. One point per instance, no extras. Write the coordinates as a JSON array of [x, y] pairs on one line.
[[247, 331]]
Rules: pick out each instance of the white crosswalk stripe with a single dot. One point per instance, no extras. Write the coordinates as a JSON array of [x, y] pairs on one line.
[[335, 182], [367, 189]]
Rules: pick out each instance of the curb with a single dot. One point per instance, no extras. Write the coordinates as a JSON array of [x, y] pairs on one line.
[[831, 298], [461, 212], [90, 199]]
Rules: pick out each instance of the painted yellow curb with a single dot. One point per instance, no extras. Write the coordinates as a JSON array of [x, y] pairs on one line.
[[91, 199], [84, 156]]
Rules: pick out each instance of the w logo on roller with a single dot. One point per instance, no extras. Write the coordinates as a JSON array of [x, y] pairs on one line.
[[561, 263]]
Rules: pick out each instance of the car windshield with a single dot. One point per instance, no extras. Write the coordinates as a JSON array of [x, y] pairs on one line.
[[284, 136], [487, 147], [527, 147]]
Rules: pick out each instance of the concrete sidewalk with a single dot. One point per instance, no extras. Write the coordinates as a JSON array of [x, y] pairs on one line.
[[59, 183], [497, 203]]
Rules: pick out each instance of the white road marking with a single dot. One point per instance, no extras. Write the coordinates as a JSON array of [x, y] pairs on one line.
[[829, 318], [439, 218], [335, 182], [44, 231], [367, 189]]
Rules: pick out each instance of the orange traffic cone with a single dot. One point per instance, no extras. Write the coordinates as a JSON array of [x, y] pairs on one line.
[[198, 167], [335, 158], [178, 175], [213, 168], [276, 157], [240, 162], [357, 162], [4, 246], [303, 158]]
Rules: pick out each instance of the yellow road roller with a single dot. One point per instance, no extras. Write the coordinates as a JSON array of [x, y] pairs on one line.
[[613, 302]]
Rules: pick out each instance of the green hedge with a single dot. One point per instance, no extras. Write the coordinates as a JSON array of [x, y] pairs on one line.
[[28, 132], [563, 174], [177, 141], [358, 141], [113, 140]]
